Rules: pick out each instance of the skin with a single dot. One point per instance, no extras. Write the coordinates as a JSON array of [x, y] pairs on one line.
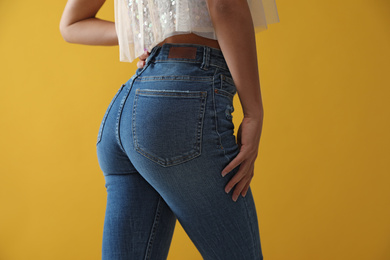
[[229, 17]]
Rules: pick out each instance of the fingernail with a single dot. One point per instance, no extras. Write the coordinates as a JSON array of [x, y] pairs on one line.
[[223, 174], [235, 197], [227, 190]]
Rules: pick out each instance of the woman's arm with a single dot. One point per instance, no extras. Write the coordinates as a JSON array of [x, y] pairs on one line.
[[235, 32], [79, 25], [233, 26]]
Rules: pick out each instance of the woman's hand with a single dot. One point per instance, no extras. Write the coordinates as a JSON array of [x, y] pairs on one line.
[[142, 59], [248, 139]]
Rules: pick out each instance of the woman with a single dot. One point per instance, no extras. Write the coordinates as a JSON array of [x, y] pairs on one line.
[[166, 144]]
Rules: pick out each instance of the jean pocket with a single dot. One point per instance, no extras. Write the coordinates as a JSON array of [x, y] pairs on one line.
[[99, 137], [226, 87], [167, 124]]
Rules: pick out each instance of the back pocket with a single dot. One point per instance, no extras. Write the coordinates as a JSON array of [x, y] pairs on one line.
[[167, 124]]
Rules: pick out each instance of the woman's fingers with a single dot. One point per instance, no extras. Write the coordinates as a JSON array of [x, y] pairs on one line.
[[248, 137], [142, 58], [144, 55], [246, 187], [244, 175], [241, 186], [140, 64], [242, 172], [233, 164]]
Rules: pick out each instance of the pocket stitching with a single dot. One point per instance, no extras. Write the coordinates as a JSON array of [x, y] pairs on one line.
[[224, 93], [226, 81], [196, 150]]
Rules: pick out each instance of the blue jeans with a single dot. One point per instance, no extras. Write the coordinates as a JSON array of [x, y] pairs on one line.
[[163, 142]]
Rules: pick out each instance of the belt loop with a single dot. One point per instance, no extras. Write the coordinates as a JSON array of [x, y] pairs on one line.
[[206, 58]]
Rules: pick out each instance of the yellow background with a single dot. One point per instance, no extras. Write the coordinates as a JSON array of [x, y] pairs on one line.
[[321, 184]]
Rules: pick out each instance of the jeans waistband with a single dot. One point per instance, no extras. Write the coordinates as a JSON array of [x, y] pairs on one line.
[[203, 55]]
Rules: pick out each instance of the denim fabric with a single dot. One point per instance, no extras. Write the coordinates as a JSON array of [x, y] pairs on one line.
[[163, 142]]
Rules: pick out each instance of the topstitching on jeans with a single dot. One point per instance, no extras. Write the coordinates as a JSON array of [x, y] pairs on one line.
[[216, 118], [117, 125], [176, 78], [120, 110], [206, 59], [251, 225], [196, 150], [219, 67], [106, 114], [153, 230]]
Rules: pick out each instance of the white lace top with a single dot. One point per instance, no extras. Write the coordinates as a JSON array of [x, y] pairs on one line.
[[142, 24]]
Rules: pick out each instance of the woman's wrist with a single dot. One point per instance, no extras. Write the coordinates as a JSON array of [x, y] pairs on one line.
[[255, 116], [252, 105]]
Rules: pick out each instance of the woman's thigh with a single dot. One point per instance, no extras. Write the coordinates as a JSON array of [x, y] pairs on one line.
[[138, 223]]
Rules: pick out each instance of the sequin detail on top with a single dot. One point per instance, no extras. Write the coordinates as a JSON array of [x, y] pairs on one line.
[[142, 24]]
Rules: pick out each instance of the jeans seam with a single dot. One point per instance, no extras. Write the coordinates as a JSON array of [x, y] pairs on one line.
[[251, 225], [175, 93], [118, 119], [153, 231], [184, 61], [174, 78], [220, 67], [106, 114], [117, 125], [216, 118], [226, 94]]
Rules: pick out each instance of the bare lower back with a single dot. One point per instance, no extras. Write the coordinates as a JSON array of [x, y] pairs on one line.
[[191, 38]]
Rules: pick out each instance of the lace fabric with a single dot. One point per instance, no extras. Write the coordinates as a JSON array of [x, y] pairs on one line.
[[142, 24]]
